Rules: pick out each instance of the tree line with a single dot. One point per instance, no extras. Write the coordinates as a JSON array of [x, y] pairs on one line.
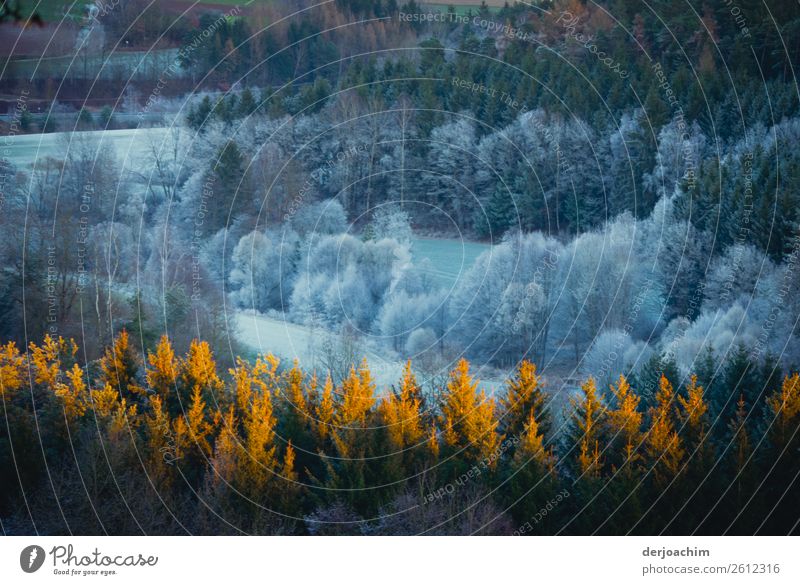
[[163, 444]]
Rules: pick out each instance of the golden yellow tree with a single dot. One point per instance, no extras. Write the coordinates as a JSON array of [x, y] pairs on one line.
[[325, 413], [225, 462], [74, 395], [693, 416], [258, 461], [624, 424], [624, 454], [784, 406], [265, 371], [289, 490], [288, 473], [221, 474], [531, 448], [693, 408], [104, 401], [249, 381], [432, 443], [663, 446], [12, 365], [199, 374], [468, 418], [243, 382], [400, 413], [124, 422], [163, 373], [296, 417], [161, 445], [586, 430], [401, 422], [119, 365], [114, 413], [358, 397], [47, 359], [367, 383], [352, 438], [192, 433], [524, 396]]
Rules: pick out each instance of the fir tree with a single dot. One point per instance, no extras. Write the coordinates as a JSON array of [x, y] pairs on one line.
[[119, 366], [402, 423], [75, 394], [468, 422], [624, 426], [533, 478], [193, 437], [198, 373], [586, 431], [401, 415], [743, 474], [693, 417], [163, 373], [325, 413], [524, 397], [663, 446]]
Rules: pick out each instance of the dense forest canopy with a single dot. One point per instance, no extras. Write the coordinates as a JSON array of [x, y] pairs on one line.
[[173, 448]]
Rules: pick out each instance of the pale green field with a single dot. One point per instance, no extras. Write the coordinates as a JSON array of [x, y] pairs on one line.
[[131, 146], [450, 259]]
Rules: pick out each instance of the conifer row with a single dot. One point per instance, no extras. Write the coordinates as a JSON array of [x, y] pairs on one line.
[[166, 444]]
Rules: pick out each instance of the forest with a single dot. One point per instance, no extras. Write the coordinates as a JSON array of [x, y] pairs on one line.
[[174, 448], [229, 301]]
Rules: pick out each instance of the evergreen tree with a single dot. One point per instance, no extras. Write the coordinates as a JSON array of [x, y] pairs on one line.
[[193, 433], [119, 366], [198, 117], [247, 104], [325, 413], [229, 192], [198, 374], [468, 422], [742, 477], [663, 447], [585, 434], [693, 416], [402, 423], [163, 373], [524, 397], [533, 479], [624, 426], [740, 378]]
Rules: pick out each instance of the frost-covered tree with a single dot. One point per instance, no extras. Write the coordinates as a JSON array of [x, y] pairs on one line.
[[510, 289], [741, 273], [320, 218], [391, 221], [680, 152], [263, 269], [613, 353], [347, 279], [421, 341], [448, 180], [403, 313]]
